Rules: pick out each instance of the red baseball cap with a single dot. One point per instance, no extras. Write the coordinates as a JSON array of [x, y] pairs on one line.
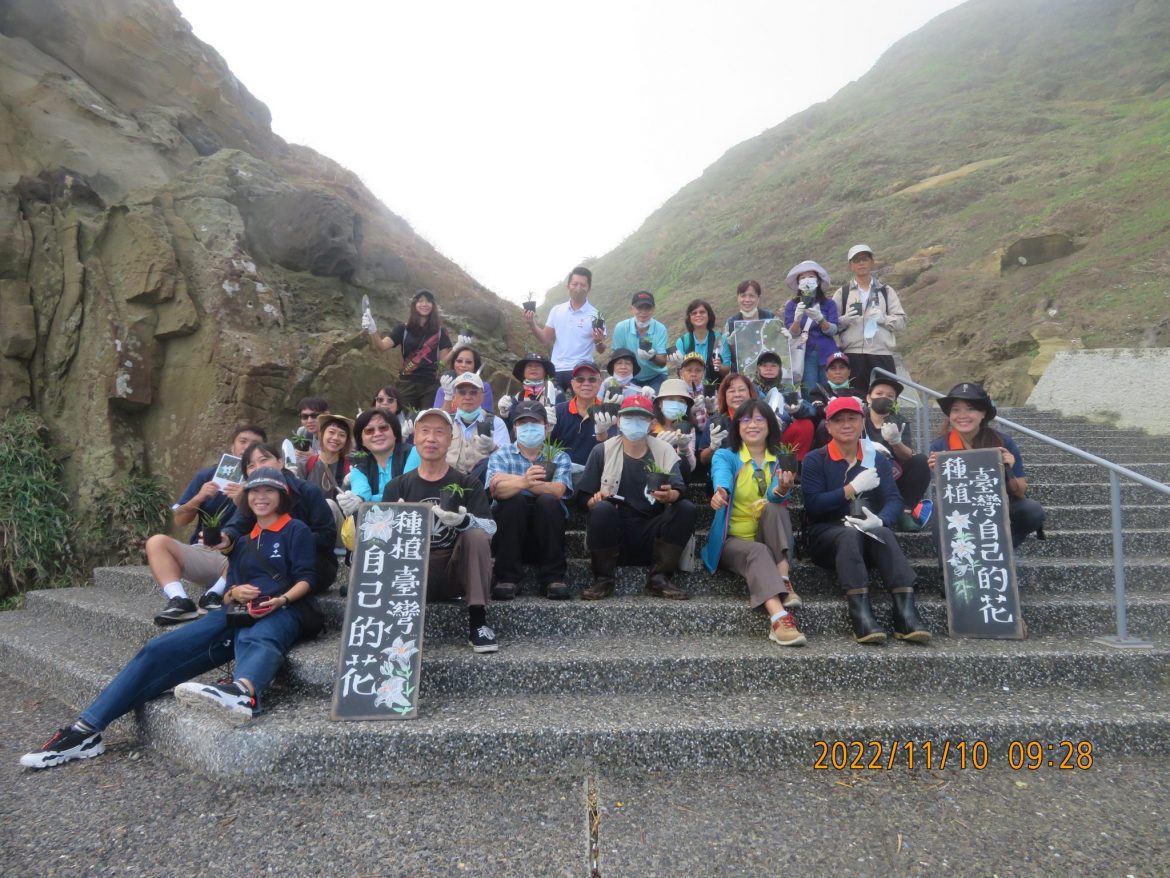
[[637, 405], [585, 367], [840, 404]]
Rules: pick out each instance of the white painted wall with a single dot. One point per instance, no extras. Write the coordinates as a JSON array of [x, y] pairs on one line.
[[1125, 388]]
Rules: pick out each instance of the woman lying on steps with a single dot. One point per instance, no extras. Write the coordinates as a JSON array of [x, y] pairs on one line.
[[274, 571]]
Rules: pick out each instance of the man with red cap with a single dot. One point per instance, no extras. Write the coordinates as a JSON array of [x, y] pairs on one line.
[[850, 511], [630, 519]]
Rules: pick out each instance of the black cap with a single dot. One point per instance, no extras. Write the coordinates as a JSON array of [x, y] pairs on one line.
[[769, 355], [621, 354], [529, 408], [420, 293], [533, 357], [267, 477], [875, 380], [643, 297], [969, 391]]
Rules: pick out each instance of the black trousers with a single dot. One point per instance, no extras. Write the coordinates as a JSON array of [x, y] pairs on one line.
[[914, 480], [529, 528], [848, 552], [860, 365], [611, 525]]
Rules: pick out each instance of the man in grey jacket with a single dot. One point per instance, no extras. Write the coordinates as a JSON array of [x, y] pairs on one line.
[[870, 316]]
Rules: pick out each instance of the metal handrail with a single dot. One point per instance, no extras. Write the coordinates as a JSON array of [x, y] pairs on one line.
[[1121, 639]]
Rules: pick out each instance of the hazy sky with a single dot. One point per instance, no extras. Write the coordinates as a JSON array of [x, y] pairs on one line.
[[521, 137]]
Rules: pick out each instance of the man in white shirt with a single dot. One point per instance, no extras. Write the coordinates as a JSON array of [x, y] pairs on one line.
[[573, 329]]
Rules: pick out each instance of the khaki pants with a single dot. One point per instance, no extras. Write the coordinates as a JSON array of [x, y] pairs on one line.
[[756, 561], [463, 570], [200, 565]]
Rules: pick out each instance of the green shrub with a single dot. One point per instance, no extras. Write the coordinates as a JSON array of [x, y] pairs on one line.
[[36, 528], [122, 517]]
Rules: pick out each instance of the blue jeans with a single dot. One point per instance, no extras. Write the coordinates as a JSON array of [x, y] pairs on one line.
[[814, 372], [177, 656]]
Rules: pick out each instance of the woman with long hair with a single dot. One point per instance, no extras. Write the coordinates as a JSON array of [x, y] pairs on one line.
[[734, 390], [382, 455], [752, 530], [424, 344], [703, 339], [969, 412]]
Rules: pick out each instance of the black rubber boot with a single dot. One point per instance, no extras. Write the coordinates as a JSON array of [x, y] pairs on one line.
[[907, 624], [865, 627], [664, 562], [604, 564]]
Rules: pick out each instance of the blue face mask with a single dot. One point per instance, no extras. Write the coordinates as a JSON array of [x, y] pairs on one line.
[[469, 417], [633, 427], [673, 409], [530, 435]]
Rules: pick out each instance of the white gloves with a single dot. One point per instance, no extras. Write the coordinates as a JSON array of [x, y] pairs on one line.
[[348, 502], [718, 436], [674, 358], [891, 432], [407, 429], [447, 382], [550, 414], [644, 356], [451, 519], [602, 424], [463, 341], [668, 436], [870, 522], [681, 440], [609, 398], [867, 480], [483, 444], [368, 324], [649, 392], [505, 405], [815, 313]]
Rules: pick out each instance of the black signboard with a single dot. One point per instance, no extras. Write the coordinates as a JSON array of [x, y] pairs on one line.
[[979, 569], [380, 664]]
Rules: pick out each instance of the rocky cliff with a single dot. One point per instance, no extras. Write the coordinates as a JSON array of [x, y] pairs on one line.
[[168, 265]]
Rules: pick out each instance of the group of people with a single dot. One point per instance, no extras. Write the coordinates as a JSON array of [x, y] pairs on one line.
[[625, 443]]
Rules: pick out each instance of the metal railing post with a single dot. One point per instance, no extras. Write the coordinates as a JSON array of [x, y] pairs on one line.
[[1121, 639]]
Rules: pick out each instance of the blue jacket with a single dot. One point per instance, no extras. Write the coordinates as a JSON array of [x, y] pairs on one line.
[[289, 551], [823, 478], [725, 467], [308, 505]]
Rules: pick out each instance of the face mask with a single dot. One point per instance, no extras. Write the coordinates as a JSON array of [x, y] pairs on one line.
[[633, 427], [673, 409], [468, 417], [641, 325], [835, 386], [623, 380], [808, 285], [752, 314], [530, 435], [882, 406], [537, 382]]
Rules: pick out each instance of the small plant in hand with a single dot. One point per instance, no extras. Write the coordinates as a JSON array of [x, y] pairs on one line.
[[211, 524], [599, 322], [357, 455], [451, 498], [301, 443], [657, 478], [645, 344], [786, 456], [549, 451], [529, 305]]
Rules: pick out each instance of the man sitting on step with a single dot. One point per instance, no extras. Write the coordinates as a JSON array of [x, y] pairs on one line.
[[171, 561], [461, 540], [629, 522], [845, 533], [529, 508]]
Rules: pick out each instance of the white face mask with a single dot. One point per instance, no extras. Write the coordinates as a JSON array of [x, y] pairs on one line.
[[808, 285], [638, 323], [623, 380], [752, 314], [633, 427]]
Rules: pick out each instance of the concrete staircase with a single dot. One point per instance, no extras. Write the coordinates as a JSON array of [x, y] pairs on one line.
[[640, 684]]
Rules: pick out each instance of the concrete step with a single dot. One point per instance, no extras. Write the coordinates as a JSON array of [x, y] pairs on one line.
[[1036, 575], [126, 617], [1094, 493]]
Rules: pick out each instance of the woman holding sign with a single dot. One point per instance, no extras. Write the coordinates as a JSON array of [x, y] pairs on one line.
[[969, 410], [752, 530], [273, 572]]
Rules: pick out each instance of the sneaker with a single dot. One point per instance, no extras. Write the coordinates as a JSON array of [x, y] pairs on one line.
[[211, 600], [791, 601], [922, 512], [231, 697], [483, 639], [65, 746], [503, 591], [785, 632], [178, 610]]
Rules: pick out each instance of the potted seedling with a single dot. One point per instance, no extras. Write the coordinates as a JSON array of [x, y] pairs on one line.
[[791, 394], [211, 521], [356, 456], [549, 451], [599, 322], [645, 343], [529, 305], [787, 457], [451, 497], [656, 477], [301, 442]]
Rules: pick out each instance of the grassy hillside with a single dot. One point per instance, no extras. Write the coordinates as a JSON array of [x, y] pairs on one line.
[[1009, 163]]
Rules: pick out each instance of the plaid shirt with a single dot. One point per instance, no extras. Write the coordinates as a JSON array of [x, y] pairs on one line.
[[510, 462]]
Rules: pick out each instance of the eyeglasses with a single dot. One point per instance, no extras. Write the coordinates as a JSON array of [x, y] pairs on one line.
[[371, 430], [753, 419], [587, 379], [309, 416]]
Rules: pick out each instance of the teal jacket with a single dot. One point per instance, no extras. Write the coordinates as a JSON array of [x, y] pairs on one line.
[[725, 467]]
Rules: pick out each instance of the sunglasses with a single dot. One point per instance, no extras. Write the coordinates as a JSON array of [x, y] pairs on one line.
[[587, 379], [371, 430], [309, 416]]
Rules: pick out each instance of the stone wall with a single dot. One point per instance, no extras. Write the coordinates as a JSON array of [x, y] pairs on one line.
[[1125, 388]]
